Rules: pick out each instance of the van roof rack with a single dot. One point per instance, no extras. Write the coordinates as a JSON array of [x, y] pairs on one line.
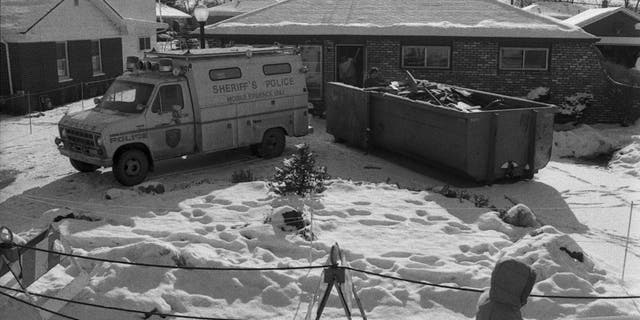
[[219, 52]]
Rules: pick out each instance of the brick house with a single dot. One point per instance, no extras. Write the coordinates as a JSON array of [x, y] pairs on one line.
[[482, 44], [52, 44]]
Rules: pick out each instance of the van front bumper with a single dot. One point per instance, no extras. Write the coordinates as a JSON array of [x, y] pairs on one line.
[[88, 158]]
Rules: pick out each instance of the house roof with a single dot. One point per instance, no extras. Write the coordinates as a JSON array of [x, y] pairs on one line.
[[470, 18], [19, 16], [592, 15], [558, 10], [169, 12], [236, 7]]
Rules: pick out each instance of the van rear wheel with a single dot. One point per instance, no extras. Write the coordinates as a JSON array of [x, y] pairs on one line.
[[272, 144], [131, 167], [83, 166]]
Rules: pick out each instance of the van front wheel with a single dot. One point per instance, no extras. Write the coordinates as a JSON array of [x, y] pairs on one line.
[[83, 166], [131, 167], [272, 144]]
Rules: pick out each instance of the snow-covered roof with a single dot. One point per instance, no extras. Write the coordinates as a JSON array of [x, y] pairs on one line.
[[593, 15], [464, 18], [168, 12], [17, 16], [558, 10], [236, 7]]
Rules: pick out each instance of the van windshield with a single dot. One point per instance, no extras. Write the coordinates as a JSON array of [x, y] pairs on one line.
[[126, 97]]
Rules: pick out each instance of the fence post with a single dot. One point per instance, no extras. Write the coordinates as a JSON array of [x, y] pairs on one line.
[[626, 247], [29, 112]]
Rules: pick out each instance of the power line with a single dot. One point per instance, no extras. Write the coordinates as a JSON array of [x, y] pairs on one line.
[[146, 313], [170, 266], [37, 306]]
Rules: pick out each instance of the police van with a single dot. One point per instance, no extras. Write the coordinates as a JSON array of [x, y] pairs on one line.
[[187, 102]]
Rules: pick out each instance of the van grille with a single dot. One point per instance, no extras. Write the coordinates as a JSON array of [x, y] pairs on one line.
[[81, 138]]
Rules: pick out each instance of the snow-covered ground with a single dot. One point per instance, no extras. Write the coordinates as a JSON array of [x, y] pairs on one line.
[[380, 209]]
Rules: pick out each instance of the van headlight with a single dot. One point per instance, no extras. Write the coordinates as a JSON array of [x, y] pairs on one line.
[[99, 140], [63, 133]]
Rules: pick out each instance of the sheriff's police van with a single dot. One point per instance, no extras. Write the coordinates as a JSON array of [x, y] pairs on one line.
[[196, 101]]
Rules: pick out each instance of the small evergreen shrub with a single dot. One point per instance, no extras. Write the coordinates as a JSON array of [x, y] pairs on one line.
[[299, 174]]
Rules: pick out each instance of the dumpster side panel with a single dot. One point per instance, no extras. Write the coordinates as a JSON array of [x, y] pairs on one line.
[[513, 134], [347, 113], [544, 138], [478, 137], [414, 129]]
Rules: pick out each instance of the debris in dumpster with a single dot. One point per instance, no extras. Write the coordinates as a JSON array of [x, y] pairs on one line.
[[441, 95]]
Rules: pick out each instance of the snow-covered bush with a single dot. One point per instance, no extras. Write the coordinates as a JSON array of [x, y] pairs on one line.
[[573, 106], [299, 174], [538, 94]]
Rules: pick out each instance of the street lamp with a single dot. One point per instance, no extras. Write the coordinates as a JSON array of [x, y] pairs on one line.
[[201, 13]]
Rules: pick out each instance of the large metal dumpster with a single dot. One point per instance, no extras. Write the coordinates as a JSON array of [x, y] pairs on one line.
[[485, 145]]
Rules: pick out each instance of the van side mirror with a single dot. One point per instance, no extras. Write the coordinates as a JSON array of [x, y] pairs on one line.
[[177, 107], [97, 100]]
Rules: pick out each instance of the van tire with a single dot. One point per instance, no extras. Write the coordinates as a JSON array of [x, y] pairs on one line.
[[131, 167], [83, 166], [272, 145]]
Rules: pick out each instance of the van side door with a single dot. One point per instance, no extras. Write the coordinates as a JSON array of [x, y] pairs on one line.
[[170, 122]]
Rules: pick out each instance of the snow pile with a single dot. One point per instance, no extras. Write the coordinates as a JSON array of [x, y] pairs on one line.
[[584, 141], [591, 141], [380, 228], [627, 159]]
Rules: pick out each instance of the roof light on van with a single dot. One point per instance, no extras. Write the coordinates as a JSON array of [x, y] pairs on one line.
[[132, 63], [165, 65]]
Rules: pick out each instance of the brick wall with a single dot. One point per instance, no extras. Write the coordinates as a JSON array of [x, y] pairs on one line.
[[573, 67]]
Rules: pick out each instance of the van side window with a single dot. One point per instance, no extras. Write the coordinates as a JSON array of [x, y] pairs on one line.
[[278, 68], [167, 97], [225, 74]]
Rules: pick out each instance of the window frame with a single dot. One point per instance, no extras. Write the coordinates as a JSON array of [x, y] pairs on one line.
[[264, 71], [101, 70], [158, 98], [144, 43], [223, 79], [67, 76], [426, 56], [524, 50]]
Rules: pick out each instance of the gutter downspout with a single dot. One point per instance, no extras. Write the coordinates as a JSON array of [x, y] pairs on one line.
[[6, 45]]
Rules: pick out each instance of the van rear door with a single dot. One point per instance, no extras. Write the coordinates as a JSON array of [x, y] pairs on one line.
[[170, 122]]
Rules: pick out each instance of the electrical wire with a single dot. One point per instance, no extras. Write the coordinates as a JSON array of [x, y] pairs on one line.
[[146, 313]]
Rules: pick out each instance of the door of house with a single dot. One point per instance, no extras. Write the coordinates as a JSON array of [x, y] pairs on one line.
[[312, 59], [350, 64]]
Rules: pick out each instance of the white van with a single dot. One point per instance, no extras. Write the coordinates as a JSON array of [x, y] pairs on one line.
[[196, 101]]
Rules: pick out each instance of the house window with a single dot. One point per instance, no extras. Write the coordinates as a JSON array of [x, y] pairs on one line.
[[96, 57], [145, 43], [524, 58], [273, 69], [433, 57], [62, 61]]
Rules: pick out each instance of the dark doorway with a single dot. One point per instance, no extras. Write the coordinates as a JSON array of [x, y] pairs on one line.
[[350, 64]]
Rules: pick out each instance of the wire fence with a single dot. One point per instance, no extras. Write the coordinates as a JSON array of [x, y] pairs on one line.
[[26, 102], [326, 268]]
